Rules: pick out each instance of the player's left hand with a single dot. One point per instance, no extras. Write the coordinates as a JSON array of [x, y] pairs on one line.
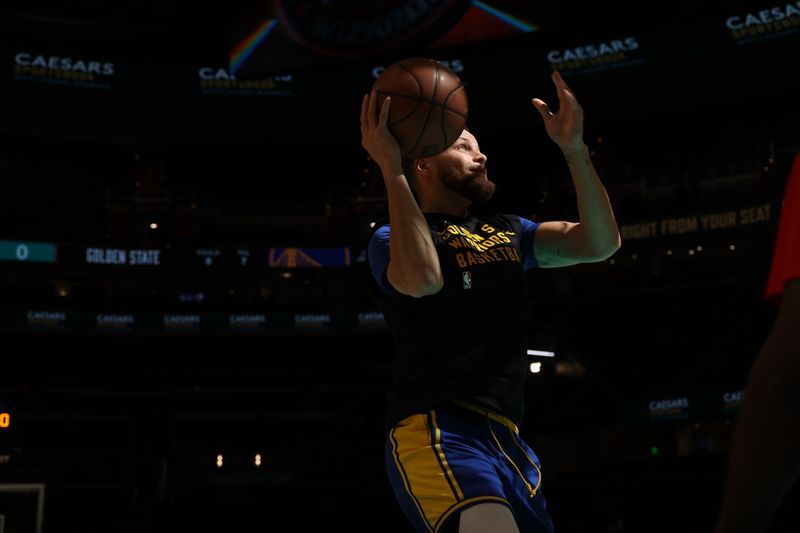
[[565, 126]]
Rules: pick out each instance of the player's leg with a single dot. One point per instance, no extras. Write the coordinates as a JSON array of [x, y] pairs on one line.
[[484, 517]]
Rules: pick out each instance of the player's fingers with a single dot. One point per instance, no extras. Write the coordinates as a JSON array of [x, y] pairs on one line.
[[364, 108], [542, 108], [562, 89], [565, 94], [372, 112], [384, 118]]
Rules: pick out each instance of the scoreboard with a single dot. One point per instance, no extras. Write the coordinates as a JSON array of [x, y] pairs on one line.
[[179, 257]]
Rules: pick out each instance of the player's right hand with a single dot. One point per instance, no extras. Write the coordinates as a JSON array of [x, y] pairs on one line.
[[376, 138]]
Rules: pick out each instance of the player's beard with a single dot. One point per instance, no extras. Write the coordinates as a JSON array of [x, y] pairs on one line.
[[475, 187]]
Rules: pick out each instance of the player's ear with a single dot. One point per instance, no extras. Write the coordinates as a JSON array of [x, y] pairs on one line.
[[421, 165]]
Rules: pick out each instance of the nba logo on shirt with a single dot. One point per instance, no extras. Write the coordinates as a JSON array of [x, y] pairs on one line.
[[467, 277]]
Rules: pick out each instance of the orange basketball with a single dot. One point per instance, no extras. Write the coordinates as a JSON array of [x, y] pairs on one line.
[[429, 105]]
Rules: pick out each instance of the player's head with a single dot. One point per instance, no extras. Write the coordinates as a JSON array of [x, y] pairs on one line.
[[461, 168]]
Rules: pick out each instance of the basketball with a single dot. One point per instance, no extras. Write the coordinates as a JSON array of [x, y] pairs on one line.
[[429, 105]]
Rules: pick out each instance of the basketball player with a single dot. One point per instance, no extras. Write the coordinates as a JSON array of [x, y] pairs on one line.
[[764, 459], [453, 291]]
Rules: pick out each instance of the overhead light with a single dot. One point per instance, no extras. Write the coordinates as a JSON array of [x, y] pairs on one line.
[[371, 224], [219, 460], [536, 367], [153, 225], [258, 459], [541, 353]]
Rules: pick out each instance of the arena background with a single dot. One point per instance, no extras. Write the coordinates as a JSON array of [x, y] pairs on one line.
[[188, 342]]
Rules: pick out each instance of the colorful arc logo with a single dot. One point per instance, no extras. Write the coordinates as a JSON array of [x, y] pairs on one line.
[[349, 28]]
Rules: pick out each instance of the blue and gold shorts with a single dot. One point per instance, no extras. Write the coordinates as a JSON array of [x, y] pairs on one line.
[[441, 462]]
